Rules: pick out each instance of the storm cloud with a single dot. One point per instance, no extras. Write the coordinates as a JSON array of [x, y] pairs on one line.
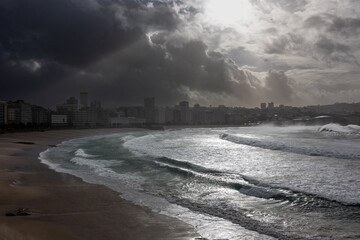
[[122, 51]]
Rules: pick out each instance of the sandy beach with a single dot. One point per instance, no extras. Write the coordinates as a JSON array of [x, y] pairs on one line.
[[63, 206]]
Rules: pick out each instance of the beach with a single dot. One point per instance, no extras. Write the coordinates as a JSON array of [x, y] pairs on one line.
[[62, 206]]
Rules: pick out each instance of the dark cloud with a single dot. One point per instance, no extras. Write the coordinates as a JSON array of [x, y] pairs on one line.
[[271, 30], [292, 6], [103, 48], [170, 72], [333, 51], [345, 26], [20, 80], [337, 87], [123, 50], [163, 71], [329, 46], [45, 43], [278, 46], [159, 18], [64, 32], [284, 44], [316, 22]]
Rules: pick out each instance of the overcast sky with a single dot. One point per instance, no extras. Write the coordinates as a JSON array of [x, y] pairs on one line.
[[233, 52]]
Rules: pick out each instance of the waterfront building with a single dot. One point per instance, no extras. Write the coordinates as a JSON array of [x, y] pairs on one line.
[[3, 112], [160, 115], [95, 104], [149, 107], [136, 112], [270, 105], [58, 120], [263, 106], [19, 112], [40, 116], [68, 108], [185, 112]]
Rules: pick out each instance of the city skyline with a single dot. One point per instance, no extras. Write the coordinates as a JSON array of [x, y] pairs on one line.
[[84, 112], [140, 102], [237, 53]]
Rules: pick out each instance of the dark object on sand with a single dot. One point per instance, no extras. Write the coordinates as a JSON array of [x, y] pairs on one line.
[[52, 145], [29, 143], [18, 212]]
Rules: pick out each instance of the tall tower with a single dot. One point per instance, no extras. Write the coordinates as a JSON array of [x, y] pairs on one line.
[[83, 100]]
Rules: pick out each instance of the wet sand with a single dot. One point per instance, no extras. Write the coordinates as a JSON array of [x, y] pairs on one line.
[[63, 206]]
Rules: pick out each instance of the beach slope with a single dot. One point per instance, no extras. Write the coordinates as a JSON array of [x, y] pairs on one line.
[[62, 206]]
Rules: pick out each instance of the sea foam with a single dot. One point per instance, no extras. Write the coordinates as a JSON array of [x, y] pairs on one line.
[[336, 128], [310, 150]]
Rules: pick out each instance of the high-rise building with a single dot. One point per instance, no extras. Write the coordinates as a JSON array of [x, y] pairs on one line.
[[160, 113], [73, 102], [136, 112], [84, 100], [83, 118], [95, 104], [3, 112], [184, 104], [71, 105], [263, 106], [149, 107], [270, 105], [40, 115], [11, 114], [185, 112], [199, 114], [93, 116], [19, 112], [219, 114], [68, 108]]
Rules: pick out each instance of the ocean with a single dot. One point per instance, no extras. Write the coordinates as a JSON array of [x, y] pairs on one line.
[[264, 182]]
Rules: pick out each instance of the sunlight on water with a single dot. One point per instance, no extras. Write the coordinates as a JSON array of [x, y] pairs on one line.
[[234, 183]]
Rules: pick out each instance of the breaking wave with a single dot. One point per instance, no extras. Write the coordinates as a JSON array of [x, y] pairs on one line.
[[309, 150], [94, 164], [81, 153], [338, 129]]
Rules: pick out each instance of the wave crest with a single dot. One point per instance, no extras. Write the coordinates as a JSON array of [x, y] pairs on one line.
[[336, 128], [309, 150], [81, 153]]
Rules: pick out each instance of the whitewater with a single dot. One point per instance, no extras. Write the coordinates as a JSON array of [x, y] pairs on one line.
[[264, 182]]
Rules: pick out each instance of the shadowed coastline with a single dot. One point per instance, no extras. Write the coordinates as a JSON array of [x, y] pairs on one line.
[[63, 206]]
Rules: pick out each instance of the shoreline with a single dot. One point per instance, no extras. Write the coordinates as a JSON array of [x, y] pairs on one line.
[[63, 206]]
